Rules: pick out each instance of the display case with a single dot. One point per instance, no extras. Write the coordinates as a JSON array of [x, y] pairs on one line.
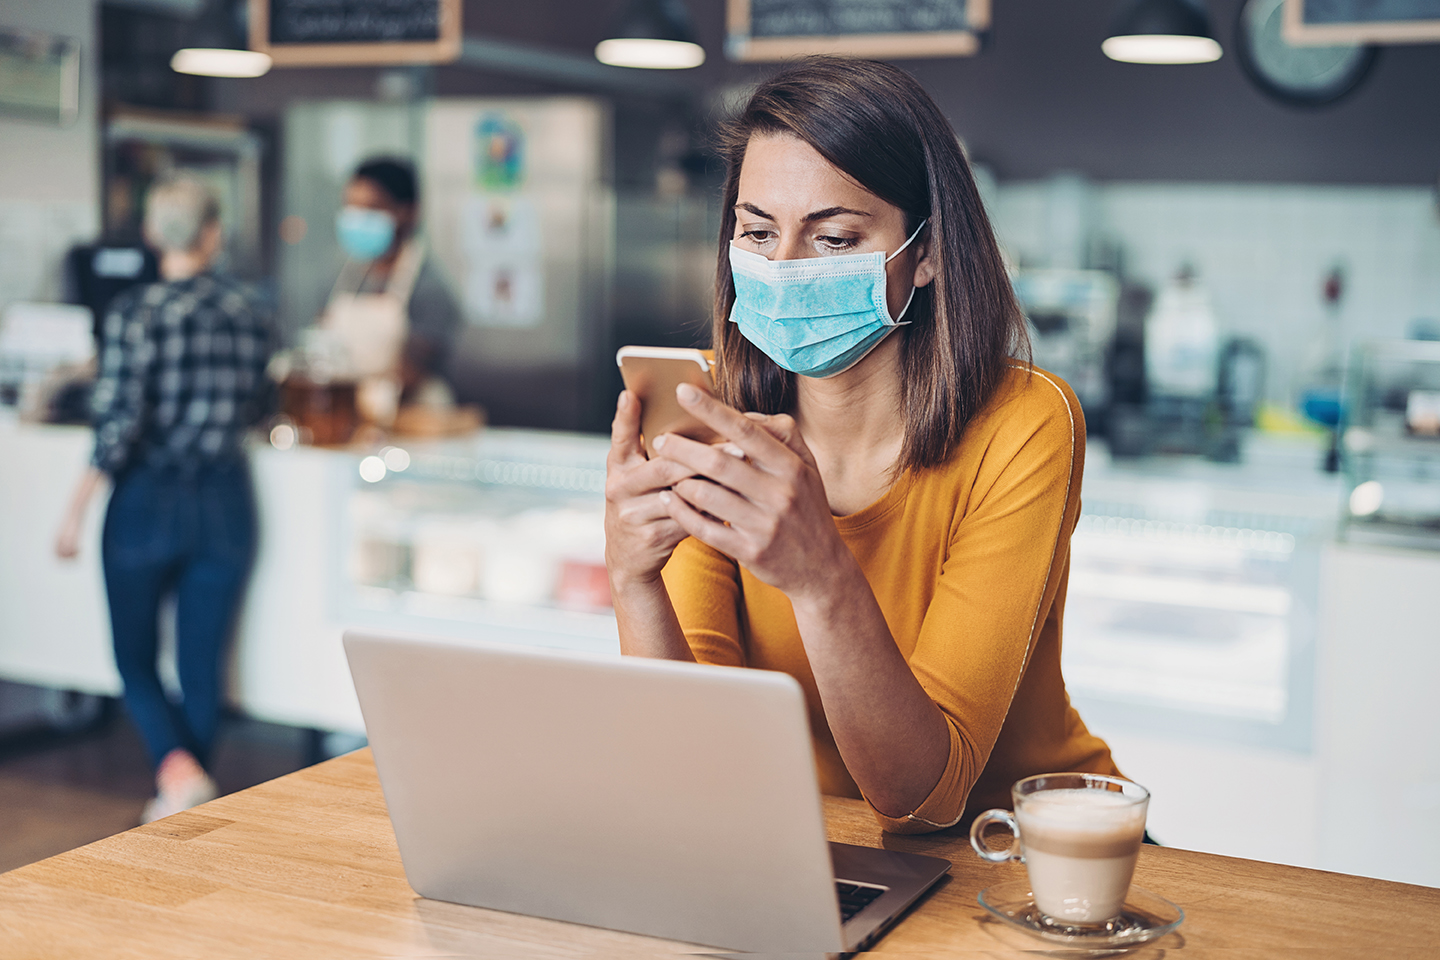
[[1391, 449], [505, 529], [1192, 594]]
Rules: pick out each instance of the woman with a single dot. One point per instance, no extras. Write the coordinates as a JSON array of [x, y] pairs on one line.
[[182, 378], [889, 521]]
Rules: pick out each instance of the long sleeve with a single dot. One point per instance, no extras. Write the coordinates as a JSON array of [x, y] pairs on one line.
[[1005, 564], [704, 587], [118, 404]]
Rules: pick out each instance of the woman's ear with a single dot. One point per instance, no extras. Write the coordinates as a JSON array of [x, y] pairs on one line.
[[925, 269]]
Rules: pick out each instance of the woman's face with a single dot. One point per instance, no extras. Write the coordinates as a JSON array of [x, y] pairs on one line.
[[793, 203]]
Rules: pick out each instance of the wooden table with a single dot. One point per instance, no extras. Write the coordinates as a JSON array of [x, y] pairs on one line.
[[306, 866]]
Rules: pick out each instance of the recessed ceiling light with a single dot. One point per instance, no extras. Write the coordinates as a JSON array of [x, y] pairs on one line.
[[220, 62]]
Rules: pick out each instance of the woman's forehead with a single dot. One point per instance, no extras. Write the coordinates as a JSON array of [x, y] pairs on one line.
[[786, 177]]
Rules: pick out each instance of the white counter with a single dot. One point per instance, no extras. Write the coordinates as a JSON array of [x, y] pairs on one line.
[[54, 629], [288, 663]]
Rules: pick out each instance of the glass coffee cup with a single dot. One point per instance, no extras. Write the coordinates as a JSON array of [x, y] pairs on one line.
[[1079, 836]]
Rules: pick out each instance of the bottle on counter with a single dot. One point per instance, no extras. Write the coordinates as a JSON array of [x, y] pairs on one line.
[[1182, 340]]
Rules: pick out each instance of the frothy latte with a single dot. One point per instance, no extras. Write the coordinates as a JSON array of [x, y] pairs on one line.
[[1080, 847]]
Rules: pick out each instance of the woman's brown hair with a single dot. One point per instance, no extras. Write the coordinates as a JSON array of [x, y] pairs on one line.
[[876, 124]]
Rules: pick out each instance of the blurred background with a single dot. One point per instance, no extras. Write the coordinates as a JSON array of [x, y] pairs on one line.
[[1234, 260]]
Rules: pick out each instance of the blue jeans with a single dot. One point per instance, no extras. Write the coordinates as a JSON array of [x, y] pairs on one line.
[[188, 530]]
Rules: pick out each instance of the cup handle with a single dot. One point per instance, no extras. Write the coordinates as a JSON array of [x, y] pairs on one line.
[[977, 836]]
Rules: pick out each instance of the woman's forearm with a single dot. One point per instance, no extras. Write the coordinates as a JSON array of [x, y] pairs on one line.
[[67, 539], [893, 738], [769, 511], [85, 489], [647, 622]]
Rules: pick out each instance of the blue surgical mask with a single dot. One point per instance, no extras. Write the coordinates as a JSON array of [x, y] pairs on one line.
[[817, 316], [364, 233]]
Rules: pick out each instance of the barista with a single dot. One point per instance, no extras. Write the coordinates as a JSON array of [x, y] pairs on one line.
[[390, 309]]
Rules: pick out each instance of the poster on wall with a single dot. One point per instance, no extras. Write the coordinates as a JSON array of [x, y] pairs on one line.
[[513, 190], [500, 230]]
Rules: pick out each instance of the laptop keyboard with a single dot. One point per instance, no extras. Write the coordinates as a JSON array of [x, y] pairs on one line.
[[854, 898]]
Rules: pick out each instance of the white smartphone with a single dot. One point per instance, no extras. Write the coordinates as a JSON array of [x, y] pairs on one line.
[[652, 374]]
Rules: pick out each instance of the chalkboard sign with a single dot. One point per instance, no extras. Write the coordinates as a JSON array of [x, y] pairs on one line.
[[351, 32], [780, 29], [1318, 22]]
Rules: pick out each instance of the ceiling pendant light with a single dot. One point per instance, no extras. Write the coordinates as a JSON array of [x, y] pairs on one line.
[[215, 45], [1162, 31], [652, 35]]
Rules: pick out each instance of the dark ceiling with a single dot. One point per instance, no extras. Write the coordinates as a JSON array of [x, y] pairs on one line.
[[1040, 98]]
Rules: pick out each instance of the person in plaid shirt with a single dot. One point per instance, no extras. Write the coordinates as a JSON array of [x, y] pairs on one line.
[[181, 381]]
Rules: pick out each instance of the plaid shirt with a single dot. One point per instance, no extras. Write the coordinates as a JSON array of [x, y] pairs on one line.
[[182, 373]]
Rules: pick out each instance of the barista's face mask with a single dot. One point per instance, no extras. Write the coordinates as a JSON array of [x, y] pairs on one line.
[[818, 316], [364, 233]]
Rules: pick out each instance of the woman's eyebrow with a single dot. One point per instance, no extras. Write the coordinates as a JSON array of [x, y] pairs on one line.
[[751, 208], [831, 212], [808, 218]]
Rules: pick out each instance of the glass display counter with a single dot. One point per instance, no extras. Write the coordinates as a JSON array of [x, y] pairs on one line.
[[1191, 602], [502, 530], [1392, 444], [1193, 592]]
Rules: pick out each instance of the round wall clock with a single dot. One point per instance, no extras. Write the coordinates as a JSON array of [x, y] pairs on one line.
[[1294, 75]]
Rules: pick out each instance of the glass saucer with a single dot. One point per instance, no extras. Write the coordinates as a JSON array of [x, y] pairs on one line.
[[1144, 917]]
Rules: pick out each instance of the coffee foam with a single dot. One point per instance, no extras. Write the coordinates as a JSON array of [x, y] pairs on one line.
[[1081, 823]]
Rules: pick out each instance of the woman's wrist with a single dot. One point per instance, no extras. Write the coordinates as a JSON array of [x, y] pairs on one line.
[[634, 585], [831, 585], [622, 567], [646, 619]]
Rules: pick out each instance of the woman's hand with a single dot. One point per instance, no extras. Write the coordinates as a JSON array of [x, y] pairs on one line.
[[640, 534], [758, 497], [67, 539]]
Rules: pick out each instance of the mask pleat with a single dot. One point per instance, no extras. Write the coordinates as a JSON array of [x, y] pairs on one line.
[[817, 316]]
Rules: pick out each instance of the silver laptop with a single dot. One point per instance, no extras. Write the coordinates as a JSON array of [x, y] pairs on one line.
[[671, 799]]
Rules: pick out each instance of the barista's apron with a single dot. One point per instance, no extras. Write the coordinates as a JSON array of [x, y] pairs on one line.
[[372, 327]]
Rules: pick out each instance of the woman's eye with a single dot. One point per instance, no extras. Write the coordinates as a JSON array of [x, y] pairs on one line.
[[758, 235], [837, 243]]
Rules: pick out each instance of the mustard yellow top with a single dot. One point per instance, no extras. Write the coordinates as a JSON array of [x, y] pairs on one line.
[[969, 563]]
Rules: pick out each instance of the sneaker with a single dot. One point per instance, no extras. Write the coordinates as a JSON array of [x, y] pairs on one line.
[[193, 792]]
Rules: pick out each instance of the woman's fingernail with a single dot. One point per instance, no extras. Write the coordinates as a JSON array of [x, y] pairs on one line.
[[660, 441], [623, 401], [687, 393], [734, 451], [665, 497]]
